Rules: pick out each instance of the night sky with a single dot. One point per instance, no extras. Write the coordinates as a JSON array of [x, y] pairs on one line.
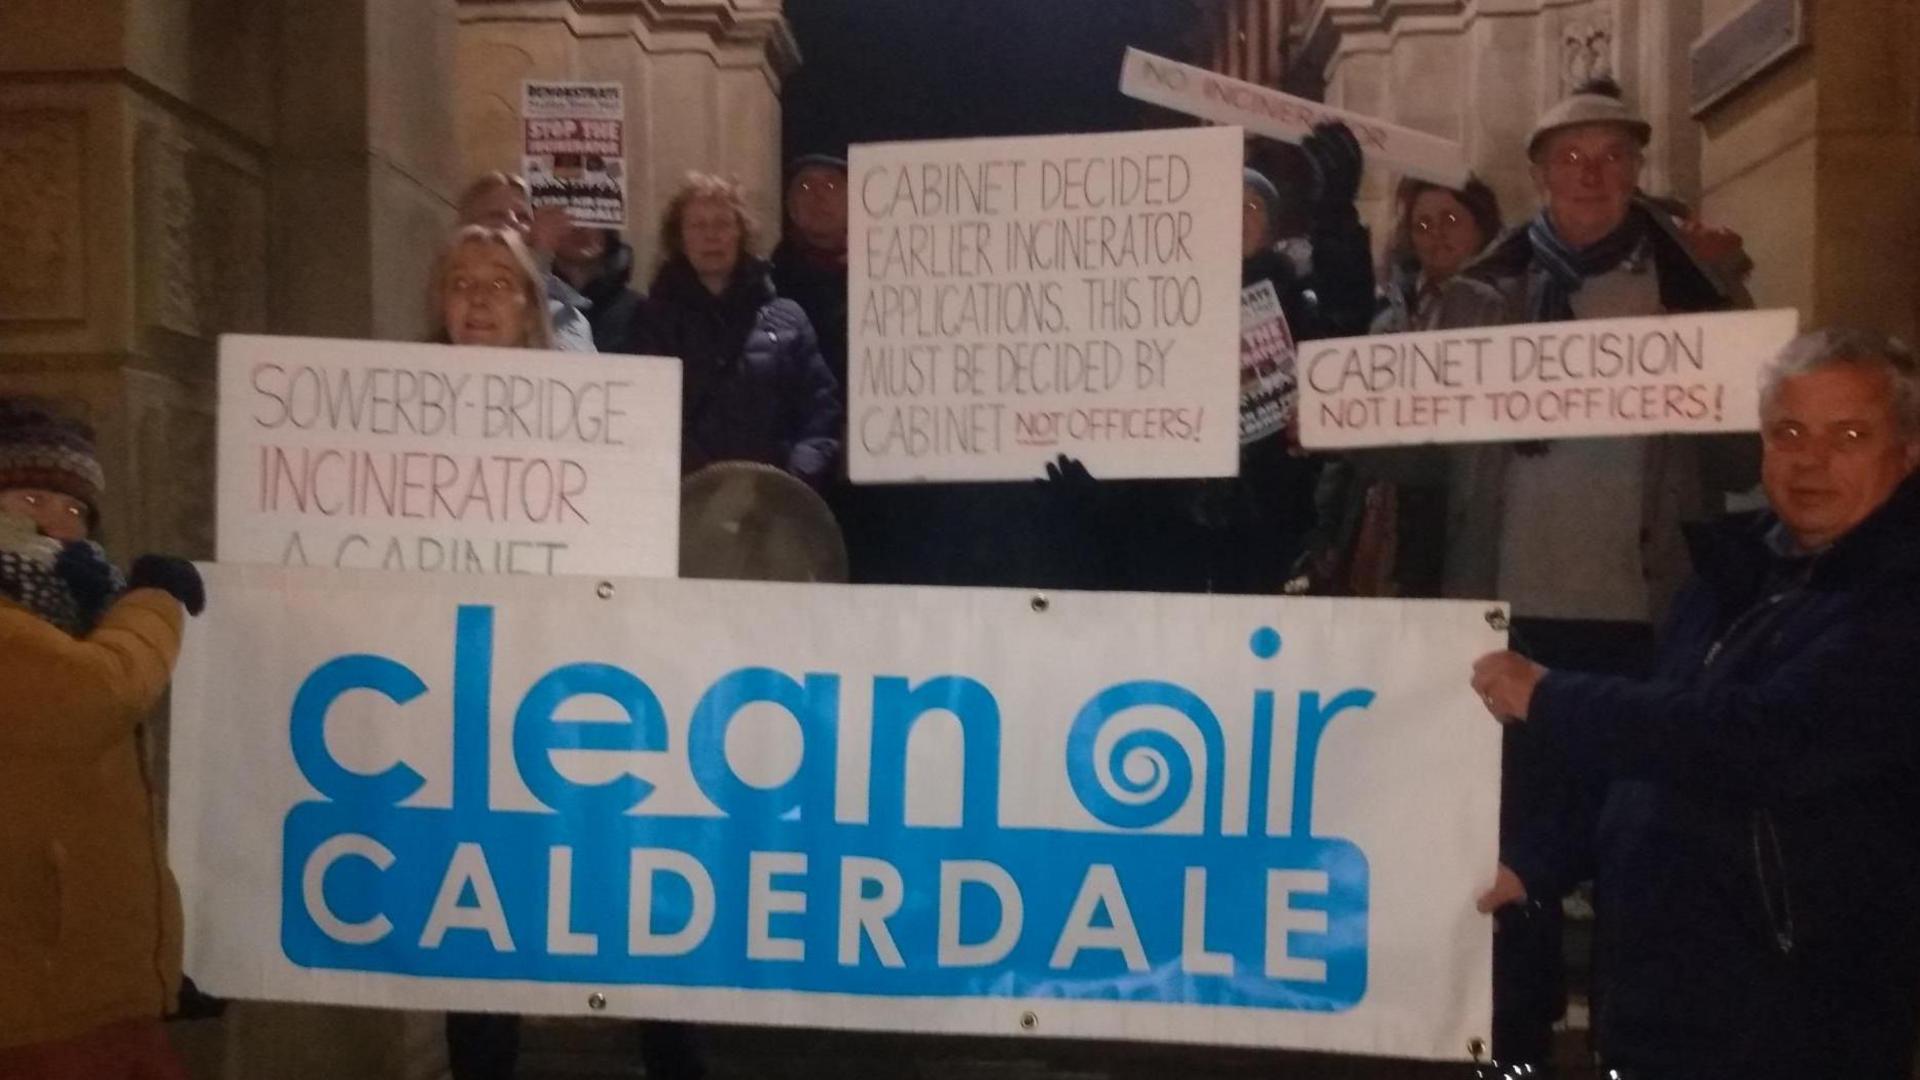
[[878, 70]]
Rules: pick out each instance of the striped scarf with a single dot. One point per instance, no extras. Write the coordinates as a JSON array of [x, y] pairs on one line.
[[1567, 270]]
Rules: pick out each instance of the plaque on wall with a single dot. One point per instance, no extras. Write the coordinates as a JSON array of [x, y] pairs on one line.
[[1757, 37]]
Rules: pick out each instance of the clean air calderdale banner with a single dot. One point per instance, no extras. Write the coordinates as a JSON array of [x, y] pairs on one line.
[[1210, 95], [1011, 300], [1646, 376], [366, 455], [1242, 820]]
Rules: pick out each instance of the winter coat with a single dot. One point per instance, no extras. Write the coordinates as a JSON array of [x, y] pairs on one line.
[[614, 311], [1243, 534], [753, 386], [1757, 856], [89, 915], [566, 308], [1681, 474], [819, 286]]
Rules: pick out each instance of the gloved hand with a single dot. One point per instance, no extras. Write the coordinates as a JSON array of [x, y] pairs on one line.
[[88, 576], [1337, 163], [1069, 481], [175, 576]]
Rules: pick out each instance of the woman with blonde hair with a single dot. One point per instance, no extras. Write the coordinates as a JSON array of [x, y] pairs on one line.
[[485, 290], [754, 386]]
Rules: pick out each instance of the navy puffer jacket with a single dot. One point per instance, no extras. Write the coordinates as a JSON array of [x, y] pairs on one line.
[[753, 384], [1756, 857]]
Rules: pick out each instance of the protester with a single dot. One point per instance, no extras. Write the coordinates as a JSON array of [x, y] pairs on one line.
[[1581, 536], [502, 201], [1378, 514], [1756, 860], [598, 264], [810, 262], [1437, 231], [754, 386], [89, 913], [485, 290], [1243, 535]]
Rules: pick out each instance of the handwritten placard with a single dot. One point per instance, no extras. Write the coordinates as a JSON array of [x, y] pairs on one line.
[[1015, 299], [447, 459], [1671, 373], [1264, 111]]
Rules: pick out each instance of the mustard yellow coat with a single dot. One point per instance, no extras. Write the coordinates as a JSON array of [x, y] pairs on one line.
[[89, 914]]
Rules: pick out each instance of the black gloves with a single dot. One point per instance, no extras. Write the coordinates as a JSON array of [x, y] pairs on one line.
[[176, 576], [88, 576], [1337, 161]]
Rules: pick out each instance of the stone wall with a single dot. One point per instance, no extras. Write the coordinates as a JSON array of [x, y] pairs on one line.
[[1813, 161], [702, 83], [174, 170]]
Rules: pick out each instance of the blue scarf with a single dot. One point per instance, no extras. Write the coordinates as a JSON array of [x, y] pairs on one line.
[[1567, 269]]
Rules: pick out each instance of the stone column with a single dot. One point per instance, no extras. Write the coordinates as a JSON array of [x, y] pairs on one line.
[[172, 170], [702, 81]]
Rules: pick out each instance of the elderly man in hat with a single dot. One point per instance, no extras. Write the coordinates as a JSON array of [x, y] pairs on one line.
[[1581, 536], [1756, 858]]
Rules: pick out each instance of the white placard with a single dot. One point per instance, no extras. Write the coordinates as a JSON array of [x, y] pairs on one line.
[[1011, 300], [1233, 820], [1646, 376], [447, 459], [574, 155], [1264, 111]]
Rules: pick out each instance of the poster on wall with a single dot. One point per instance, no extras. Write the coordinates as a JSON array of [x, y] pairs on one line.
[[1232, 820], [376, 455], [1012, 300], [575, 155]]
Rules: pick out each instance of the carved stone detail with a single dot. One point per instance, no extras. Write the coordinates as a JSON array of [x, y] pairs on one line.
[[42, 216], [202, 238], [1586, 52]]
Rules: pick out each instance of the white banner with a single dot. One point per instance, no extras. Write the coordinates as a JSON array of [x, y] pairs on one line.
[[1255, 821], [1016, 299], [1647, 376], [446, 459], [1212, 96], [575, 153]]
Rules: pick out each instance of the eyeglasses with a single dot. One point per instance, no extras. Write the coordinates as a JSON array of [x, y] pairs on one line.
[[1576, 161], [830, 185], [1788, 436], [495, 289]]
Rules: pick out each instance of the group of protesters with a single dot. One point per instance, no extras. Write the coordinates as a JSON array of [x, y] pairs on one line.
[[1740, 791]]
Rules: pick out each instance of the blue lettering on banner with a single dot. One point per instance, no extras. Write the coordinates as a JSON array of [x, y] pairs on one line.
[[776, 894]]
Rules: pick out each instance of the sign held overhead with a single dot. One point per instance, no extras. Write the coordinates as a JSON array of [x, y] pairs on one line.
[[1263, 111]]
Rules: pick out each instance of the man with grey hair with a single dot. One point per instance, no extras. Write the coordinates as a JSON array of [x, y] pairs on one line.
[[1756, 859], [1581, 536]]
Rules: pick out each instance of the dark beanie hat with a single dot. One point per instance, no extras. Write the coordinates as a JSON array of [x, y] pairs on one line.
[[41, 449], [814, 161]]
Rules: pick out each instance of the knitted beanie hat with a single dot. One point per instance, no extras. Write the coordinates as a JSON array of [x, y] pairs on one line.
[[1257, 182], [41, 449]]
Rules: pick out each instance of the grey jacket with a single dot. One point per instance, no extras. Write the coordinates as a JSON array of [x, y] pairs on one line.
[[1684, 476]]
